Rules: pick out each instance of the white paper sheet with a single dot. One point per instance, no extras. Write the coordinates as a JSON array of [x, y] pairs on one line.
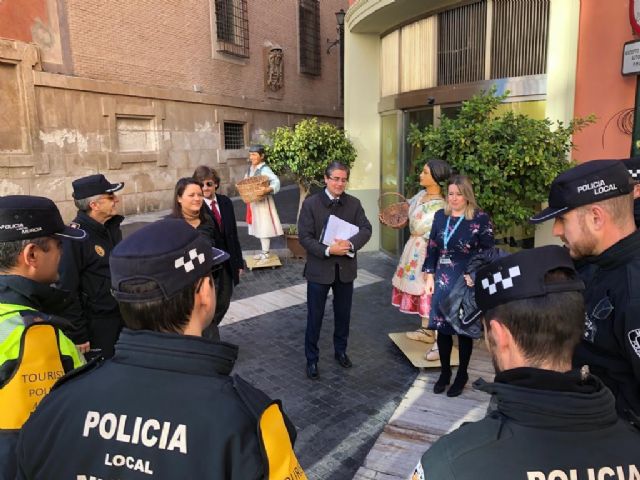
[[338, 229]]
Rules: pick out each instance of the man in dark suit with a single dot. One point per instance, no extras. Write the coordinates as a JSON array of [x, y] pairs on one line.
[[330, 267], [226, 238]]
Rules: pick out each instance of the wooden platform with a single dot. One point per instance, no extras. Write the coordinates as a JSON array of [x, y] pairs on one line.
[[422, 417], [272, 261], [414, 351]]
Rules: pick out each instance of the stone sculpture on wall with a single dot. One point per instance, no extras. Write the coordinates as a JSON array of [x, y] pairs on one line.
[[275, 69]]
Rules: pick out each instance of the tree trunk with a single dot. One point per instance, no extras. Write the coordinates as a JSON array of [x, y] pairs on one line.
[[304, 193]]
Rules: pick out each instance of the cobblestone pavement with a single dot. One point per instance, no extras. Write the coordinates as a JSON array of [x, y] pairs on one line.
[[338, 417]]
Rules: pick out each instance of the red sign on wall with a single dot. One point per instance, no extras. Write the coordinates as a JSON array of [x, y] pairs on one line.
[[634, 15]]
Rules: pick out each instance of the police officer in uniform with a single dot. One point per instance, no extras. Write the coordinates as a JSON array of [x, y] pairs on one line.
[[165, 406], [549, 422], [34, 353], [84, 269], [592, 208]]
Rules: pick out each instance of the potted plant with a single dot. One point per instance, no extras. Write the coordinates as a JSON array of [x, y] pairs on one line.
[[303, 152], [511, 158]]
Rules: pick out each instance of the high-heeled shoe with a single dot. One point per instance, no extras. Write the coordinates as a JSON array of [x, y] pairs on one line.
[[443, 381], [458, 385]]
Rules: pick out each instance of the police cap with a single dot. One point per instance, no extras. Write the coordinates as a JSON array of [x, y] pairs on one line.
[[25, 216], [169, 252], [633, 165], [521, 275], [583, 184], [93, 185]]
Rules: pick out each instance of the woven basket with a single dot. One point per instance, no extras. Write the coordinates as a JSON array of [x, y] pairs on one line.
[[395, 215], [250, 188]]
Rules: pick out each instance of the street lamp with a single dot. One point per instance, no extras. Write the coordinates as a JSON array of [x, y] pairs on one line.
[[339, 41], [340, 28]]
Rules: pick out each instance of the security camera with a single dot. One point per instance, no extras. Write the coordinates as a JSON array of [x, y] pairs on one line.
[[431, 101]]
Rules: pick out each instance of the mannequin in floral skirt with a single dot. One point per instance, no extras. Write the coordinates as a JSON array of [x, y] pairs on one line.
[[408, 293]]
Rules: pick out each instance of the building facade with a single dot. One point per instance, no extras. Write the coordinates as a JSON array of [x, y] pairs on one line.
[[146, 91], [411, 62]]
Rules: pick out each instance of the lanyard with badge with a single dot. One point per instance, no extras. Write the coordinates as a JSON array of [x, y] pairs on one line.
[[446, 236]]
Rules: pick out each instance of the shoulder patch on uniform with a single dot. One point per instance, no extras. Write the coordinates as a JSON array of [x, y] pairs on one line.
[[74, 225], [418, 472], [634, 340], [99, 250], [73, 374]]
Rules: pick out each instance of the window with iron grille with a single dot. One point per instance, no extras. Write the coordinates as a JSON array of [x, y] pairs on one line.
[[232, 27], [233, 136], [461, 44], [309, 36], [519, 38]]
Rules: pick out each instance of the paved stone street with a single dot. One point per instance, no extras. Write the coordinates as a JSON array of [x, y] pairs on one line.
[[340, 416]]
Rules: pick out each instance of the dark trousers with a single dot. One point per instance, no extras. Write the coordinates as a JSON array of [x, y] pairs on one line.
[[316, 300], [224, 289], [445, 345]]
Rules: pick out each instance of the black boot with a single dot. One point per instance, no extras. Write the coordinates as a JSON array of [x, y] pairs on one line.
[[443, 381], [458, 384]]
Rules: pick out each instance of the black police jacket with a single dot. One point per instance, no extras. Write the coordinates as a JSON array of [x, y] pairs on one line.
[[611, 342], [164, 407], [84, 271], [546, 425]]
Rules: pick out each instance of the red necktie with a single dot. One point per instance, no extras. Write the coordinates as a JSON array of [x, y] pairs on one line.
[[216, 213]]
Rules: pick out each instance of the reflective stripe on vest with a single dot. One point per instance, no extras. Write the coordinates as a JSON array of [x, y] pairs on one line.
[[39, 366], [282, 461]]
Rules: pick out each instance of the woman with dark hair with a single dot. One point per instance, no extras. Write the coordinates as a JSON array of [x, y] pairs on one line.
[[459, 231], [188, 205], [409, 292]]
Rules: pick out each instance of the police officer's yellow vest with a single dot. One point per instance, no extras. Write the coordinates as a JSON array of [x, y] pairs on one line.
[[37, 349]]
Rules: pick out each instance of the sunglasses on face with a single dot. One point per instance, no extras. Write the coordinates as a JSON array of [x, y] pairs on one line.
[[209, 183]]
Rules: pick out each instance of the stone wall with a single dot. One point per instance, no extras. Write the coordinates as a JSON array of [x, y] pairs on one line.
[[145, 125]]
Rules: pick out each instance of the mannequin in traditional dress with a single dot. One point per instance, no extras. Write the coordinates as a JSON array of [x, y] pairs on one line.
[[262, 217], [408, 291]]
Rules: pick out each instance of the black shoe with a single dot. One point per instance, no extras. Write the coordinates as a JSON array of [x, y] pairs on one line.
[[312, 370], [343, 360], [442, 382], [458, 385]]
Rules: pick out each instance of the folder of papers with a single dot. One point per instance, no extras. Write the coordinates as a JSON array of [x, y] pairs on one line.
[[337, 229]]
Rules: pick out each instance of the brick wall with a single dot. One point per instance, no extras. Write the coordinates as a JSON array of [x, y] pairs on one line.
[[140, 43]]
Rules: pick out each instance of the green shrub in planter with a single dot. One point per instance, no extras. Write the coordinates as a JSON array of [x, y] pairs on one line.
[[304, 151], [511, 158]]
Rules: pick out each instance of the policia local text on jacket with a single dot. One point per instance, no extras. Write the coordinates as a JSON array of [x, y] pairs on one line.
[[22, 302], [84, 271], [547, 425], [180, 416]]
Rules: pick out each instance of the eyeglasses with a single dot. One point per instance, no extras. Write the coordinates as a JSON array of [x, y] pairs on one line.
[[339, 180], [208, 183]]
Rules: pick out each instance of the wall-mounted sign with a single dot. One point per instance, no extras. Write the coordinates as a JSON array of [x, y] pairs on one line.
[[631, 58], [634, 15]]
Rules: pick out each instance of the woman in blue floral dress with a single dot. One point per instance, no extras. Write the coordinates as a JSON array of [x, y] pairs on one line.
[[459, 231]]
